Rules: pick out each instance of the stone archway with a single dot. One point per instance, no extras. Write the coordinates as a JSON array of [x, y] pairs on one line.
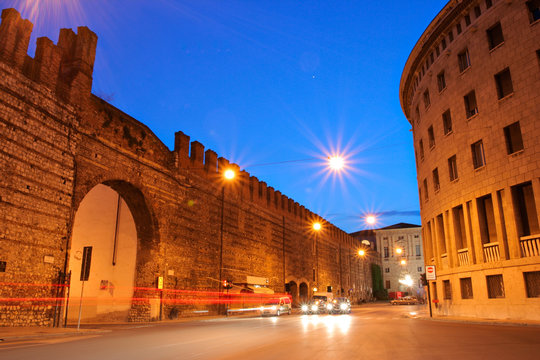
[[293, 290], [114, 221], [303, 292]]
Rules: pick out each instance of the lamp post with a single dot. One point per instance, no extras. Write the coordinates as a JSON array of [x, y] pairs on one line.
[[317, 227], [228, 176]]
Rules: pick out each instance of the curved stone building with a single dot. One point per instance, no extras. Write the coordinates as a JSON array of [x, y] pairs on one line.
[[471, 91]]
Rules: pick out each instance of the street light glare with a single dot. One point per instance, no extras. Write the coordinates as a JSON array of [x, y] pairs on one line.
[[336, 162], [403, 262], [317, 226], [361, 252], [399, 250], [229, 174]]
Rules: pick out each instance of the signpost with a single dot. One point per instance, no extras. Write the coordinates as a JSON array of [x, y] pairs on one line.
[[430, 275], [85, 274]]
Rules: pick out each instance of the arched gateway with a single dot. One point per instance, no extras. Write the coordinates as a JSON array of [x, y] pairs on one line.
[[105, 225]]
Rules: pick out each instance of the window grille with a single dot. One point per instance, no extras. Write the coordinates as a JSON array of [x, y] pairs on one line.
[[495, 286], [466, 288], [532, 283], [447, 290]]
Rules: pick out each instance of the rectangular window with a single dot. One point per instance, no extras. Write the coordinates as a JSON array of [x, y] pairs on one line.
[[451, 36], [459, 228], [431, 137], [418, 249], [458, 28], [388, 284], [447, 122], [426, 99], [495, 286], [437, 51], [534, 10], [386, 252], [471, 108], [477, 11], [489, 4], [495, 35], [464, 60], [432, 58], [421, 149], [436, 183], [452, 168], [447, 290], [314, 275], [532, 283], [514, 141], [478, 158], [386, 270], [525, 209], [434, 291], [3, 266], [443, 44], [441, 81], [486, 219], [467, 20], [426, 195], [419, 269], [466, 288], [417, 115], [503, 81]]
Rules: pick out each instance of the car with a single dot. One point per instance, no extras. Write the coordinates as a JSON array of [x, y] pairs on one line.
[[315, 306], [341, 305], [276, 306], [406, 300]]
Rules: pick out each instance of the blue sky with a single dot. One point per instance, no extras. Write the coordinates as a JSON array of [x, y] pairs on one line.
[[275, 86]]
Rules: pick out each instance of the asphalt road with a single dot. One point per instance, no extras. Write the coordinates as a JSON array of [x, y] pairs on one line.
[[377, 331]]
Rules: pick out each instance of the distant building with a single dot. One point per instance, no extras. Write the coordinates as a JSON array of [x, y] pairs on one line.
[[471, 91], [400, 271]]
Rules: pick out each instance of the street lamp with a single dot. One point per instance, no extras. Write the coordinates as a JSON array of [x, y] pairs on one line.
[[229, 175], [317, 227]]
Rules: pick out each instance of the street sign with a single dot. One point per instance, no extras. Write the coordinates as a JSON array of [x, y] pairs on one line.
[[430, 272], [86, 261]]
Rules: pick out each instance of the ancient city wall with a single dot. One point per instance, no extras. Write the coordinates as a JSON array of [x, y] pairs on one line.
[[58, 142]]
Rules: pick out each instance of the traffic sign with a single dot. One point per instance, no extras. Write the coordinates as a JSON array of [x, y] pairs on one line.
[[430, 272]]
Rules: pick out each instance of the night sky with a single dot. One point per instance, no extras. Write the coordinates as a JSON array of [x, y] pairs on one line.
[[275, 86]]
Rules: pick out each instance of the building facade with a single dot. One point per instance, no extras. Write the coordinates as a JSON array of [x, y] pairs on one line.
[[471, 91], [401, 257], [94, 206]]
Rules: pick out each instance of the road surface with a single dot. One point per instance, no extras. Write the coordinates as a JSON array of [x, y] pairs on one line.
[[375, 331]]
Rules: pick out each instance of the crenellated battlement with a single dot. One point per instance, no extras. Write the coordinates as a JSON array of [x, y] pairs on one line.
[[65, 69]]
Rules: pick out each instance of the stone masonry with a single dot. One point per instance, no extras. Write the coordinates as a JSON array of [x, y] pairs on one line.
[[58, 141]]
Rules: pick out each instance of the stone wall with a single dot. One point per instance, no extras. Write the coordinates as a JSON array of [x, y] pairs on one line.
[[58, 141]]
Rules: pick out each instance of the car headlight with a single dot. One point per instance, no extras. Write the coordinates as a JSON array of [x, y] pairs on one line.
[[262, 308], [343, 306], [274, 307], [329, 306], [314, 308], [305, 308]]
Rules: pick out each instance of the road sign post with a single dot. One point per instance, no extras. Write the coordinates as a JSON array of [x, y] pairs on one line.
[[85, 274], [430, 275]]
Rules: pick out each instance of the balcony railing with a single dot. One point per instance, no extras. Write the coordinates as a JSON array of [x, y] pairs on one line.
[[491, 252], [463, 257], [530, 245]]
